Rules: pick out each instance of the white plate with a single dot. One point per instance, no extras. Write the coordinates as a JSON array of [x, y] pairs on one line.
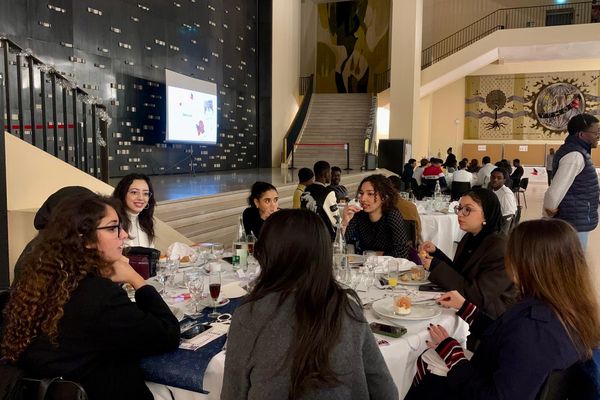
[[210, 303], [385, 308]]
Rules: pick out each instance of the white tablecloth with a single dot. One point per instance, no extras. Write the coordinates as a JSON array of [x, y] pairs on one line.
[[441, 229], [400, 355]]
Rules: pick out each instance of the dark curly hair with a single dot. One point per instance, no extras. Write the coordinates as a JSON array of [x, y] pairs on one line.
[[59, 259], [384, 189], [146, 217]]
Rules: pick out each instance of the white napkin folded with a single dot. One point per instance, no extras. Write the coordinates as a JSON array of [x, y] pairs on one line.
[[233, 290], [405, 265], [451, 206], [177, 250], [435, 364]]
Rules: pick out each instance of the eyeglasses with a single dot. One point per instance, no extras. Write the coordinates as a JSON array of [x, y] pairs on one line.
[[111, 228], [136, 193], [465, 211]]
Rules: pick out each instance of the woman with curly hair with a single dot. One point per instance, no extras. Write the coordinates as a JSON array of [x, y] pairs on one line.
[[377, 224], [67, 316], [136, 195]]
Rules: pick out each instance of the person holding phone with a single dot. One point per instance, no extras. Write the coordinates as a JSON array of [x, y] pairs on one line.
[[299, 334], [68, 316], [554, 325]]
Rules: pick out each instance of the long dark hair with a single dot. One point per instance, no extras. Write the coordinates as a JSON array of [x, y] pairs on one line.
[[58, 261], [146, 217], [320, 303], [546, 261], [257, 191]]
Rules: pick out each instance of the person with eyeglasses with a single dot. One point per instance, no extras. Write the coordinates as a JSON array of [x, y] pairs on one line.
[[68, 316], [573, 194], [477, 271], [135, 193]]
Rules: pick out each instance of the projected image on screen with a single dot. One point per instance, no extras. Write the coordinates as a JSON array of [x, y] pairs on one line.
[[191, 110]]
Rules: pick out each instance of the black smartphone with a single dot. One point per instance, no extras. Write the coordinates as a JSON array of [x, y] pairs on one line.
[[195, 331], [432, 287], [387, 330]]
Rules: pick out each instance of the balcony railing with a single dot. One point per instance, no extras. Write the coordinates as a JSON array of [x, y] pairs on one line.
[[508, 18]]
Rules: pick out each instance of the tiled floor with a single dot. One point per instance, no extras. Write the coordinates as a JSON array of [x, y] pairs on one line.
[[535, 198]]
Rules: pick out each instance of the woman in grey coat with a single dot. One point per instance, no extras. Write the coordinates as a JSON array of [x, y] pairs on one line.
[[299, 335]]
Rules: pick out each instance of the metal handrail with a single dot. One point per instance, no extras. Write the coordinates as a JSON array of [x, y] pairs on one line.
[[504, 18], [98, 167], [291, 137]]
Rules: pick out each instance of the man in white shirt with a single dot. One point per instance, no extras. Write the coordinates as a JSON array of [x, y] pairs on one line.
[[483, 176], [508, 203], [462, 175], [418, 173]]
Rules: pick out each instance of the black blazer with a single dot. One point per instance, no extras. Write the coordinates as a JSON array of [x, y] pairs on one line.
[[482, 280], [102, 336]]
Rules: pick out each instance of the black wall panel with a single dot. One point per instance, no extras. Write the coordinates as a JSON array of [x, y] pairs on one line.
[[117, 50]]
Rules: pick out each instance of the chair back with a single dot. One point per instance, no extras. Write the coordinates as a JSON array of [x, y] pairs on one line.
[[143, 259], [517, 218], [459, 188], [508, 223], [52, 389], [515, 184], [428, 186], [524, 183], [569, 384]]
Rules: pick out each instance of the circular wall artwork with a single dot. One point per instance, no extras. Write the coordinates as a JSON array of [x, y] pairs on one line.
[[557, 103]]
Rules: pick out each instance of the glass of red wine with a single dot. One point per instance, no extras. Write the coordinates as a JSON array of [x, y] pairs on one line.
[[214, 286]]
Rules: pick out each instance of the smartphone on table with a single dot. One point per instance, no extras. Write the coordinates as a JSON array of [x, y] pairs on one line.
[[194, 331], [387, 330]]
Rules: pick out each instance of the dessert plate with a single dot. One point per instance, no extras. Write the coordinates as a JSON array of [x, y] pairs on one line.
[[419, 312]]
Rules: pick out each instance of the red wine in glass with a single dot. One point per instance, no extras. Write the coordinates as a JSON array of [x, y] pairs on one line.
[[215, 289]]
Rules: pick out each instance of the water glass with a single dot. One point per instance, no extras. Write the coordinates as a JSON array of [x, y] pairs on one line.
[[194, 282], [218, 250]]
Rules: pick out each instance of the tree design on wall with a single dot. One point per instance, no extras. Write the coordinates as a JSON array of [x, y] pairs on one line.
[[495, 100]]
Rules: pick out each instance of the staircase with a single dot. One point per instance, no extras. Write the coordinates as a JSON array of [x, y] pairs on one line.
[[334, 119]]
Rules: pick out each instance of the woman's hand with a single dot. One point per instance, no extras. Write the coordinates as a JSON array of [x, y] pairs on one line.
[[438, 334], [349, 212], [122, 272], [428, 247], [451, 299]]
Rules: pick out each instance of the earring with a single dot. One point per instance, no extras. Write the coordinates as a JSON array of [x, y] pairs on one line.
[[484, 222]]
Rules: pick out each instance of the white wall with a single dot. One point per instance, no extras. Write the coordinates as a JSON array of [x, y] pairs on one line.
[[286, 70]]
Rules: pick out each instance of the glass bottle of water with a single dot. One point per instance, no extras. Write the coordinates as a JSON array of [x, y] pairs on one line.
[[437, 193], [339, 253]]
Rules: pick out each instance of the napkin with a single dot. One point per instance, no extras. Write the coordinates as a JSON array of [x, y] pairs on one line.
[[177, 312], [405, 265], [233, 290], [452, 205], [435, 364], [177, 250]]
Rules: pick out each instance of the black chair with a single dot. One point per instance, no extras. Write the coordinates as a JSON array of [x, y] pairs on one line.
[[458, 189], [52, 389], [428, 187], [521, 190], [508, 223], [569, 384], [517, 217], [143, 259], [414, 186]]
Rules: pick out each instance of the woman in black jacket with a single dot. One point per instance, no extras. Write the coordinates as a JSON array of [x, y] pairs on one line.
[[67, 316], [477, 271]]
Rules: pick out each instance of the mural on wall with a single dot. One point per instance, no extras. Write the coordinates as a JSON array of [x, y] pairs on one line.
[[528, 106], [352, 45]]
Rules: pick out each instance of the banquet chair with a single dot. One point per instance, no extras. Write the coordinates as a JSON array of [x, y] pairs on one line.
[[521, 190], [458, 189], [411, 229], [428, 187], [569, 384], [51, 389]]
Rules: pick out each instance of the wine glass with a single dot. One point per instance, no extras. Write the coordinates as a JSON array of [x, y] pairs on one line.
[[218, 250], [194, 282], [393, 267], [214, 286]]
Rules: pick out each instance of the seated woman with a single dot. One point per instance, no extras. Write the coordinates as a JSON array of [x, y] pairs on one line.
[[477, 271], [263, 202], [378, 226], [554, 325], [298, 333], [135, 193], [67, 315]]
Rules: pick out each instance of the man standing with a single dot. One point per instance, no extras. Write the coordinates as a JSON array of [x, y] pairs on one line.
[[305, 178], [450, 159], [508, 204], [573, 195], [549, 161], [320, 198], [340, 190]]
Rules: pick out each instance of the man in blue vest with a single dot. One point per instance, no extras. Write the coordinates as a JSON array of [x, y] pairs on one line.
[[573, 194]]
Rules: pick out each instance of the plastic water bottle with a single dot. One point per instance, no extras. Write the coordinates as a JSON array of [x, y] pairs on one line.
[[437, 193], [339, 253]]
